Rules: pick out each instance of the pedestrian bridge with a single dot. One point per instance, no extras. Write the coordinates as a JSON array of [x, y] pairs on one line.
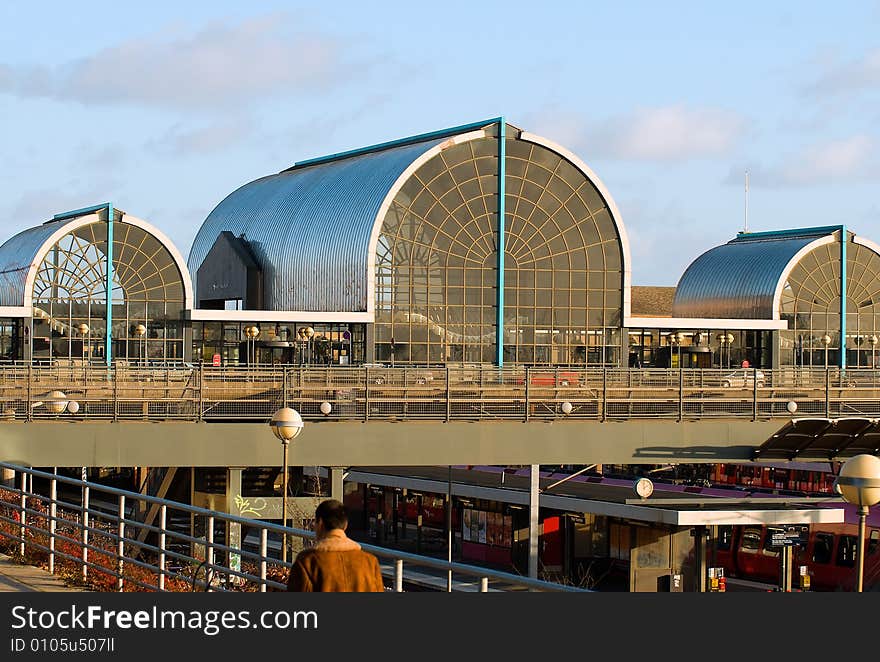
[[205, 416]]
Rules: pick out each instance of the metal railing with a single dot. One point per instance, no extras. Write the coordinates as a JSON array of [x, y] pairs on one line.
[[100, 535], [480, 392]]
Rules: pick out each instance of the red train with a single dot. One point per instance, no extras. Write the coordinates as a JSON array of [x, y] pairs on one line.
[[828, 552], [802, 477]]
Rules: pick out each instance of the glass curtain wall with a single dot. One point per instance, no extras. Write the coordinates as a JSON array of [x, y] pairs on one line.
[[436, 265], [563, 267], [862, 306], [70, 317], [279, 343], [811, 305]]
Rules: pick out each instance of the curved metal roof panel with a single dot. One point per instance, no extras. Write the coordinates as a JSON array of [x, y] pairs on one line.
[[16, 256], [739, 279], [309, 227]]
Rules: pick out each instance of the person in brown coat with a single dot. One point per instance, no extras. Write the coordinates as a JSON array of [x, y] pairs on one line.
[[335, 563]]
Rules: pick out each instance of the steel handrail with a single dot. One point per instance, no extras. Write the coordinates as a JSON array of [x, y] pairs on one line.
[[253, 393], [28, 521]]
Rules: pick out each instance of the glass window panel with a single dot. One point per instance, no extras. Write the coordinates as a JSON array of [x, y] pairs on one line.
[[591, 198], [518, 150], [546, 262], [596, 257], [71, 283], [516, 168]]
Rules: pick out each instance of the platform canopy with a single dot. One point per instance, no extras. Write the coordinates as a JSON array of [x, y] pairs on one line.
[[822, 439]]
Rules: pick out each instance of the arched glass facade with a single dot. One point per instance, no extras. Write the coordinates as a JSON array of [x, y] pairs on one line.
[[862, 306], [436, 262], [69, 297], [810, 303]]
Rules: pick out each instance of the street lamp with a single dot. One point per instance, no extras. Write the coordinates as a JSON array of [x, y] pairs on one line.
[[140, 331], [286, 424], [859, 484], [674, 339], [252, 332], [56, 402], [305, 334], [872, 341], [83, 330], [725, 339], [826, 340], [309, 332]]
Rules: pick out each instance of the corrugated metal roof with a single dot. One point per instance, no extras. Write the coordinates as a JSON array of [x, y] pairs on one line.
[[739, 278], [310, 227], [16, 256]]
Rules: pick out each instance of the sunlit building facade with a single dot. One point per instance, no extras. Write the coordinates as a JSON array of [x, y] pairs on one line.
[[479, 244]]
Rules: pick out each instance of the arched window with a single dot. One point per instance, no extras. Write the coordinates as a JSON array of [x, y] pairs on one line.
[[810, 304], [69, 296], [436, 262]]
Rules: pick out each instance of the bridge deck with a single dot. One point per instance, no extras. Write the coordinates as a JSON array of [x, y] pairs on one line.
[[19, 578]]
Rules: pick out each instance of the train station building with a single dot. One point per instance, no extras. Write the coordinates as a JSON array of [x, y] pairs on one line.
[[479, 244]]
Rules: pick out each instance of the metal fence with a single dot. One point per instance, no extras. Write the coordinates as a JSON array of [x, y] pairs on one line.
[[479, 392], [116, 540]]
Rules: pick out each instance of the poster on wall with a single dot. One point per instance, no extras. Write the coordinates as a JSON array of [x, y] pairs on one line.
[[466, 525], [481, 527], [475, 529], [507, 536], [493, 528]]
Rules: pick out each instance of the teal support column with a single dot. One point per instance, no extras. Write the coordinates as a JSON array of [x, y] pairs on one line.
[[502, 176], [108, 339], [843, 241]]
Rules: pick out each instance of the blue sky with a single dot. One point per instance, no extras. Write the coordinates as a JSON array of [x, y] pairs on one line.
[[165, 108]]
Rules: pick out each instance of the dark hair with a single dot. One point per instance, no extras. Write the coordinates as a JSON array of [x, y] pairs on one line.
[[332, 514]]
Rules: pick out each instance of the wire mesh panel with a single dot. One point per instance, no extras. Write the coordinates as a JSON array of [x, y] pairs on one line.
[[241, 394]]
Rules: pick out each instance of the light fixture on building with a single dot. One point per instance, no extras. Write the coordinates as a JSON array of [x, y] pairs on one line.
[[644, 487]]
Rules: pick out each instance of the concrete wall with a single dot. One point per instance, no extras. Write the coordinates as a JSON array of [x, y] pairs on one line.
[[347, 443]]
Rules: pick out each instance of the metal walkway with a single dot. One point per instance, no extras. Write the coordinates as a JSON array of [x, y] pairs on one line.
[[18, 578]]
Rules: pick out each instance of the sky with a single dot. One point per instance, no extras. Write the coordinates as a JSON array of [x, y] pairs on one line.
[[164, 108]]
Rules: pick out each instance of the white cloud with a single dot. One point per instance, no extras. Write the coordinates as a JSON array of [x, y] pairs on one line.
[[848, 159], [842, 78], [183, 141], [219, 65], [665, 133]]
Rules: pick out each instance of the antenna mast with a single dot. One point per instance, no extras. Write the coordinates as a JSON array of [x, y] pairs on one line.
[[746, 219]]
